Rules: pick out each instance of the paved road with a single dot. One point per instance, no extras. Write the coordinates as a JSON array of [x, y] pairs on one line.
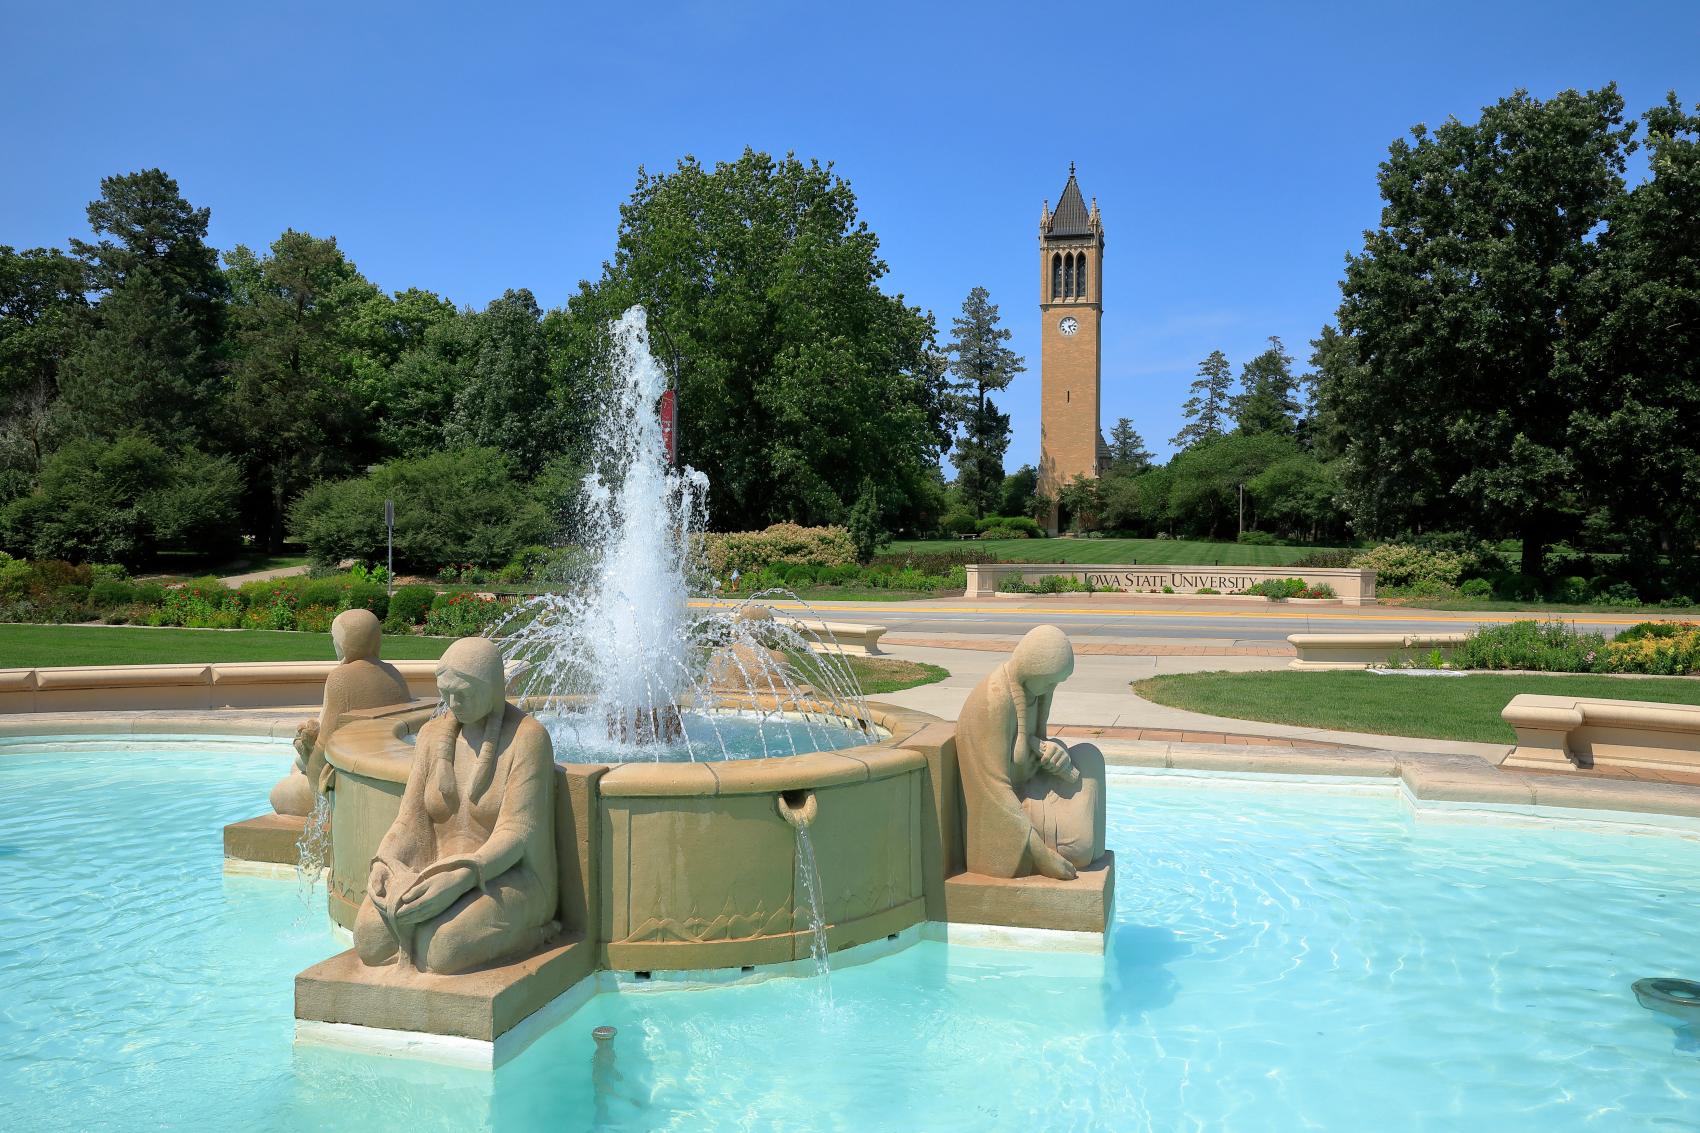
[[959, 616]]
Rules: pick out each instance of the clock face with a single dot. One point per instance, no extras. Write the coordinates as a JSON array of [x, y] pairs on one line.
[[1068, 325]]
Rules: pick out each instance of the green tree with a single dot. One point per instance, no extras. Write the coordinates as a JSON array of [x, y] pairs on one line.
[[293, 403], [1637, 428], [139, 367], [1136, 503], [1462, 306], [1205, 481], [506, 401], [1207, 408], [146, 227], [150, 357], [1268, 398], [983, 365], [797, 375], [1128, 454], [42, 311], [1018, 491]]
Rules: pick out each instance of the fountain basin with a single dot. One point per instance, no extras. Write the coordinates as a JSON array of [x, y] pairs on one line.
[[680, 866]]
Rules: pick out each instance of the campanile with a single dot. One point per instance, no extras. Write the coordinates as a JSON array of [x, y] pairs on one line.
[[1071, 311]]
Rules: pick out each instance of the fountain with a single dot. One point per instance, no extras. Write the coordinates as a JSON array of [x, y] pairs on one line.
[[721, 795]]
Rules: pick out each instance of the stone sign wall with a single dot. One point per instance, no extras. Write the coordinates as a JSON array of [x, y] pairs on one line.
[[1354, 587]]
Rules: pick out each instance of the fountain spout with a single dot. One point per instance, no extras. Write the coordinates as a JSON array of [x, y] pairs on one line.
[[798, 808]]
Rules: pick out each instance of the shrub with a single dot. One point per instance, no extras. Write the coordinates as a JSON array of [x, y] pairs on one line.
[[1509, 586], [1673, 653], [1279, 589], [1320, 590], [323, 592], [1258, 539], [747, 551], [410, 604], [1476, 588], [107, 593], [458, 507], [119, 500], [958, 523], [1207, 590], [1619, 594], [1547, 647], [1019, 526], [1400, 564], [367, 596], [463, 615], [1327, 560], [1571, 589]]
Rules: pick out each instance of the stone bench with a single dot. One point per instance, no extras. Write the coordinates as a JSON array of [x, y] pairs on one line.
[[1563, 733], [1367, 650], [111, 688], [849, 637]]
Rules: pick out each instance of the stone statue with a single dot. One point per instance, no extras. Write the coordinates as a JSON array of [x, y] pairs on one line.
[[467, 876], [360, 681], [1032, 804]]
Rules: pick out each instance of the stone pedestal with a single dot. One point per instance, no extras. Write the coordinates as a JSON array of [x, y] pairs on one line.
[[481, 1005], [1085, 904], [269, 839]]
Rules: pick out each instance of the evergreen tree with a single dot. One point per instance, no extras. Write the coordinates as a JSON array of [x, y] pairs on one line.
[[293, 403], [1207, 408], [1268, 398], [506, 401], [1128, 454], [150, 359], [982, 365]]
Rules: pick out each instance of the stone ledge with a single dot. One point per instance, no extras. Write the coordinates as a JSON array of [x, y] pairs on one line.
[[1085, 904], [480, 1005], [268, 838]]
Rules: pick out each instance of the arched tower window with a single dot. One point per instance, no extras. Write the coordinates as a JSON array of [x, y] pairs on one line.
[[1068, 275], [1056, 275], [1080, 278]]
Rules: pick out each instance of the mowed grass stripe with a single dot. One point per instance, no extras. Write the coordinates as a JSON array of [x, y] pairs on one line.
[[1181, 552], [1442, 708]]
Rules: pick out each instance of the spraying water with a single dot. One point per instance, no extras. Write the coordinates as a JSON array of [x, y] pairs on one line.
[[627, 666]]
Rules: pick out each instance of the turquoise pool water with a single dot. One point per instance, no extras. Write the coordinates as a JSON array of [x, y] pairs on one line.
[[1282, 960]]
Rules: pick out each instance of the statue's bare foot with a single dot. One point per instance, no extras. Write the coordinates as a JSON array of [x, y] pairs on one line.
[[1052, 864]]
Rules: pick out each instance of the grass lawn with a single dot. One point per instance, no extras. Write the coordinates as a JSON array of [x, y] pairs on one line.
[[1154, 551], [1444, 708], [1541, 609], [31, 646]]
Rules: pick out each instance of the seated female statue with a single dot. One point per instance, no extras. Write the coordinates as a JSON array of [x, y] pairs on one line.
[[361, 680], [1033, 805], [466, 875]]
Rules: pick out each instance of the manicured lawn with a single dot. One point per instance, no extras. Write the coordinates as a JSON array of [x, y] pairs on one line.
[[1445, 708], [1156, 551], [879, 675], [29, 646]]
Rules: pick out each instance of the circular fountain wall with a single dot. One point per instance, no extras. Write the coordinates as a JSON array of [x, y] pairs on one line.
[[682, 865]]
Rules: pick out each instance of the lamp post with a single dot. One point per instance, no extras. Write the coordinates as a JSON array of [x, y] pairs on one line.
[[389, 525]]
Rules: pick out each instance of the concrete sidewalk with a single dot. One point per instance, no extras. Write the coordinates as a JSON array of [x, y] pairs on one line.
[[1097, 696]]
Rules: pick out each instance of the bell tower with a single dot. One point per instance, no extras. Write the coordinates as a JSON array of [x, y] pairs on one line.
[[1071, 311]]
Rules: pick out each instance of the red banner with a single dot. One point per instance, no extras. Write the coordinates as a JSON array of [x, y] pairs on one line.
[[669, 426]]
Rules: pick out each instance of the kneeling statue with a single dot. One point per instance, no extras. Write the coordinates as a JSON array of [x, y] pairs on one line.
[[1033, 804], [360, 680], [466, 876]]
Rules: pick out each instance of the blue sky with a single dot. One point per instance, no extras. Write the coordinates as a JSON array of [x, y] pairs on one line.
[[468, 149]]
